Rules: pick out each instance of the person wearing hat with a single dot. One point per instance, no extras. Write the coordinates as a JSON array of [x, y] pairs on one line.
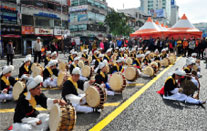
[[72, 56], [100, 59], [54, 56], [146, 58], [101, 78], [121, 54], [108, 55], [85, 57], [74, 64], [71, 89], [50, 74], [10, 52], [25, 68], [189, 65], [118, 67], [94, 57], [26, 117], [6, 83], [171, 91], [156, 57], [163, 54], [138, 61], [47, 58], [37, 50]]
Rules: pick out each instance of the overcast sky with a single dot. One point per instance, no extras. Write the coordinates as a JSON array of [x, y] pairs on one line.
[[196, 10]]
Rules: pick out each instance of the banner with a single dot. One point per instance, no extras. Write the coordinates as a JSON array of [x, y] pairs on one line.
[[61, 32], [27, 30], [42, 31]]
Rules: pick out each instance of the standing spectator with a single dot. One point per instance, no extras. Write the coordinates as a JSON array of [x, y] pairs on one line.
[[106, 44], [191, 47], [54, 47], [37, 50], [185, 47], [73, 44], [10, 52], [201, 48], [119, 43], [102, 45], [179, 46], [94, 46]]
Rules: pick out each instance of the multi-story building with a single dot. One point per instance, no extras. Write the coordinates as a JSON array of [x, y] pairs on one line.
[[202, 27], [87, 18], [32, 18], [157, 8], [138, 16], [174, 14]]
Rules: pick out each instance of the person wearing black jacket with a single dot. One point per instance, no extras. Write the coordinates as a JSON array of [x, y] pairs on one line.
[[10, 52], [71, 93], [26, 117], [25, 68], [50, 74]]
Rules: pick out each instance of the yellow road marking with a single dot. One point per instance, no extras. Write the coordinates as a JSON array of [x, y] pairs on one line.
[[112, 104], [45, 89], [135, 84], [43, 109], [103, 123]]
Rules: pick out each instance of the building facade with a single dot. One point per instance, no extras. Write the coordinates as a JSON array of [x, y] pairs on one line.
[[158, 9], [202, 27], [87, 18], [30, 19], [138, 16]]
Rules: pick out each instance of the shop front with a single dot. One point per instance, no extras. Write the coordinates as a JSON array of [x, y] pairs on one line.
[[28, 38]]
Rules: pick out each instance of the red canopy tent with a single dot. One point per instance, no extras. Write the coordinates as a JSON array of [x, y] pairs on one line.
[[149, 29], [184, 29]]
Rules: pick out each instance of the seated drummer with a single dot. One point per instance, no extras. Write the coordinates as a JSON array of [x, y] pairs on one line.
[[118, 67], [25, 68], [95, 55], [101, 78], [146, 58], [26, 117], [171, 91], [108, 55], [133, 54], [98, 60], [189, 65], [163, 54], [72, 57], [71, 89], [138, 61], [84, 55], [116, 50], [6, 84], [47, 58], [74, 64], [50, 74], [121, 54], [54, 56], [156, 57]]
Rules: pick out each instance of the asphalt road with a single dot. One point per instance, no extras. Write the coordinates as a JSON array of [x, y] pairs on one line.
[[148, 112]]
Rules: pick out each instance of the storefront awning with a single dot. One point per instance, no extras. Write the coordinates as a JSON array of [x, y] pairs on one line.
[[11, 36]]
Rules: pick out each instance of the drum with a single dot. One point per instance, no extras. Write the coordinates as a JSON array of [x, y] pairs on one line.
[[62, 66], [62, 77], [164, 62], [131, 73], [155, 66], [129, 61], [18, 88], [159, 64], [189, 87], [62, 118], [148, 71], [81, 63], [90, 59], [95, 96], [172, 61], [117, 82], [151, 55], [37, 70], [195, 68], [86, 71]]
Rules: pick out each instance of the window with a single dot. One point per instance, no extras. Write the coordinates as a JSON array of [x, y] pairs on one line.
[[10, 1], [73, 28], [27, 20], [42, 21], [27, 2], [57, 22], [82, 27], [65, 24]]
